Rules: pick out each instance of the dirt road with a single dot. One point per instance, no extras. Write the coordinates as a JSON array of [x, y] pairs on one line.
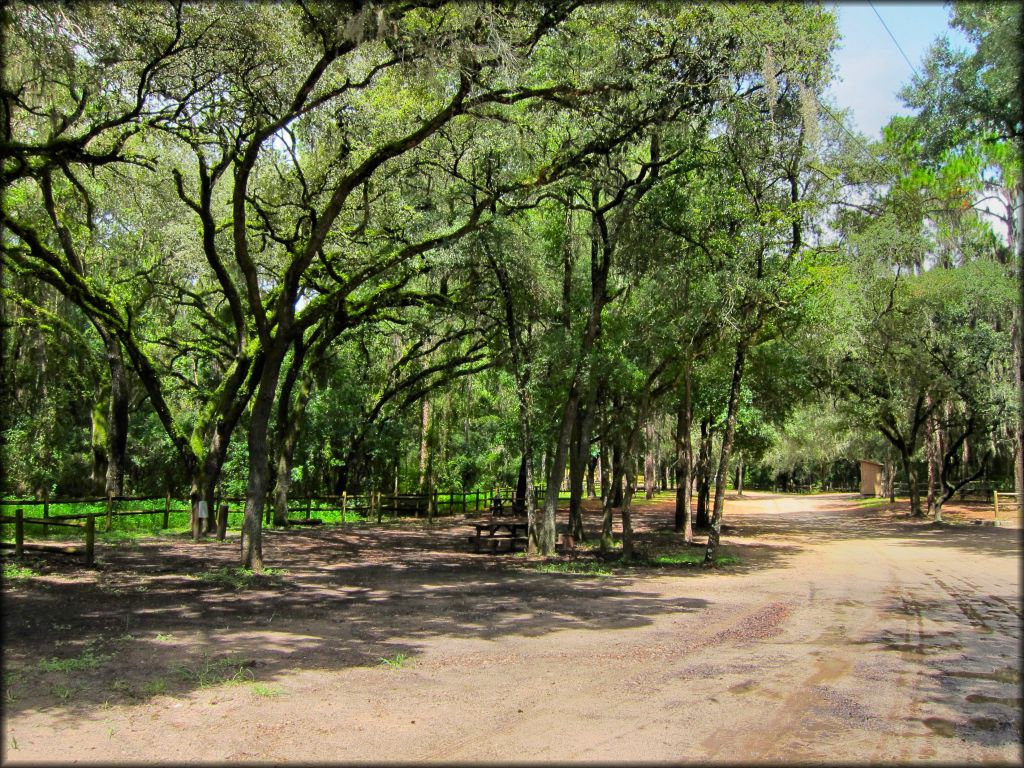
[[845, 634]]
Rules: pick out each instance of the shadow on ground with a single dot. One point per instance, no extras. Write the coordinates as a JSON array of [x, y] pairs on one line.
[[148, 621]]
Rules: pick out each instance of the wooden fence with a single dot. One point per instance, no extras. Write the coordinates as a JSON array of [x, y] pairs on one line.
[[996, 495], [19, 545], [370, 505]]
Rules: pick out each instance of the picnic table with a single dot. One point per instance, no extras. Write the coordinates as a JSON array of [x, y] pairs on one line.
[[496, 530]]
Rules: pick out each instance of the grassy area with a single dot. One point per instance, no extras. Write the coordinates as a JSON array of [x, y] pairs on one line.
[[179, 520], [578, 568], [14, 572], [689, 557], [873, 502], [397, 661], [210, 672], [242, 578], [88, 660], [673, 559]]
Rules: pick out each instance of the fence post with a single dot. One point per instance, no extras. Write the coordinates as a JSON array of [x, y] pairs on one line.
[[90, 538], [309, 506], [46, 510], [167, 510], [344, 503], [375, 504], [222, 522], [110, 510], [19, 532], [995, 501], [463, 503]]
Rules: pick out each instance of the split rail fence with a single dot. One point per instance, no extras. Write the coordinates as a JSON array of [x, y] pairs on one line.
[[36, 513]]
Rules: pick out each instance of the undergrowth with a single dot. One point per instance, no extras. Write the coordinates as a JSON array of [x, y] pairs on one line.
[[15, 572]]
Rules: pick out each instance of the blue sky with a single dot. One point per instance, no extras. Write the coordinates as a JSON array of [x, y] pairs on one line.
[[870, 67]]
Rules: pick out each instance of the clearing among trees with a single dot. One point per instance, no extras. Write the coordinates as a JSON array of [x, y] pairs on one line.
[[834, 631]]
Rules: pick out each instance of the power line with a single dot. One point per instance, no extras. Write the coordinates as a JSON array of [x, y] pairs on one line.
[[894, 40]]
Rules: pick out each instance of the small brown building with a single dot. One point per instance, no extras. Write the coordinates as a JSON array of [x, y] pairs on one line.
[[870, 478]]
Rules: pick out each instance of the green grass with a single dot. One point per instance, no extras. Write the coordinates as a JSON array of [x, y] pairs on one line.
[[154, 687], [88, 660], [594, 545], [689, 557], [210, 672], [14, 572], [130, 528], [873, 502], [397, 661], [683, 557], [578, 568], [266, 691], [63, 692], [241, 578]]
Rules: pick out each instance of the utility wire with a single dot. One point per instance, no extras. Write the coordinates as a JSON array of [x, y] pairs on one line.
[[894, 40]]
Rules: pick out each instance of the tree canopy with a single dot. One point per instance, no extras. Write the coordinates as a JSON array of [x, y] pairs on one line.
[[344, 246]]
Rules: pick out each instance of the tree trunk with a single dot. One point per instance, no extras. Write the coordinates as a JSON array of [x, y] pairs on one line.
[[607, 539], [603, 469], [526, 447], [704, 473], [117, 425], [256, 489], [1018, 375], [288, 443], [723, 461], [577, 467], [519, 498], [911, 473], [649, 476], [626, 512], [424, 448], [100, 419], [289, 427], [556, 473], [684, 461], [739, 478], [932, 454], [889, 477], [591, 467], [617, 472]]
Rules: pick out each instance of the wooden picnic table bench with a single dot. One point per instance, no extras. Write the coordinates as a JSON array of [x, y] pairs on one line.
[[494, 531]]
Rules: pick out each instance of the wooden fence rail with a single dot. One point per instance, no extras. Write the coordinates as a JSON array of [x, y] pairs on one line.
[[995, 500], [372, 503], [20, 545]]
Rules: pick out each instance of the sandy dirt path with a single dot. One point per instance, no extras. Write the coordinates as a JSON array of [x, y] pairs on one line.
[[844, 635]]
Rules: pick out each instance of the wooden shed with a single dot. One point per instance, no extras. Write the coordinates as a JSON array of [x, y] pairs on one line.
[[870, 478]]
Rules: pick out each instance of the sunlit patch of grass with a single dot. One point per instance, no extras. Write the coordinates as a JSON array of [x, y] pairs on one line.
[[209, 672], [593, 545], [242, 578], [397, 661], [689, 557], [259, 689], [88, 660], [15, 572], [872, 502], [577, 568], [63, 692]]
